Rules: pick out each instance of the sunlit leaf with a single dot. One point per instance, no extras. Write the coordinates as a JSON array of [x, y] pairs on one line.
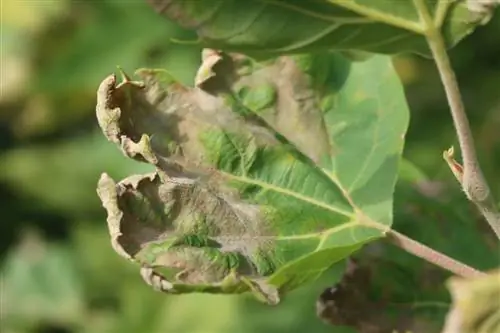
[[264, 180]]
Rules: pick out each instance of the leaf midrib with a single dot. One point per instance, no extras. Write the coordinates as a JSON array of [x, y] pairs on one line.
[[369, 15], [340, 20], [379, 16], [287, 192], [319, 234]]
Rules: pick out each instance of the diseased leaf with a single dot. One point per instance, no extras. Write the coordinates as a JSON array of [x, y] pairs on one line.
[[295, 26], [267, 172], [475, 305]]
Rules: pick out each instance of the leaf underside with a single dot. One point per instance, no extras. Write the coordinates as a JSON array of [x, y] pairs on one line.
[[295, 26], [272, 170]]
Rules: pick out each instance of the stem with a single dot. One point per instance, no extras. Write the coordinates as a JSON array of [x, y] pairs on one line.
[[430, 255], [472, 181]]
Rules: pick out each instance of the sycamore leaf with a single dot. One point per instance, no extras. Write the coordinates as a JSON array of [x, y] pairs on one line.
[[295, 26], [267, 172]]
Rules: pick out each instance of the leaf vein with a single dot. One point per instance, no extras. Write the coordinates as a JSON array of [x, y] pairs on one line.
[[379, 16], [286, 192], [305, 12]]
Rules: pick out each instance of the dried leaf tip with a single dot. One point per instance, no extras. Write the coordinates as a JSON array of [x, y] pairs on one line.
[[127, 81], [104, 91], [107, 192], [206, 71]]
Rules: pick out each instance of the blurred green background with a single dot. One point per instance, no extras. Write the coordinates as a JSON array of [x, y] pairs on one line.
[[58, 271]]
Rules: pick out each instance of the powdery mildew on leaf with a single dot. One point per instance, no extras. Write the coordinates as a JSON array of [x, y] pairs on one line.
[[152, 213], [267, 172]]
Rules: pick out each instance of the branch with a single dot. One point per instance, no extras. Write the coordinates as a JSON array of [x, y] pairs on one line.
[[470, 175], [437, 258]]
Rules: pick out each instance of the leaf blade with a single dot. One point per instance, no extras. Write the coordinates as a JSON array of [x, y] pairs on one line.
[[290, 26], [267, 167]]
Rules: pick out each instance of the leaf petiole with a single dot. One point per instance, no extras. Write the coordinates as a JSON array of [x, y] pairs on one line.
[[472, 179]]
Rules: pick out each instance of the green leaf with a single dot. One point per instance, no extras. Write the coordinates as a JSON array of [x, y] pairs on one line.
[[261, 167], [295, 26]]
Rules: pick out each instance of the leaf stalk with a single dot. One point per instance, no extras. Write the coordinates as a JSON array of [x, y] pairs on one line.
[[472, 179], [430, 255]]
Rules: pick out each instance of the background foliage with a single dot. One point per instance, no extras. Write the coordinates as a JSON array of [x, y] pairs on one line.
[[58, 271]]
